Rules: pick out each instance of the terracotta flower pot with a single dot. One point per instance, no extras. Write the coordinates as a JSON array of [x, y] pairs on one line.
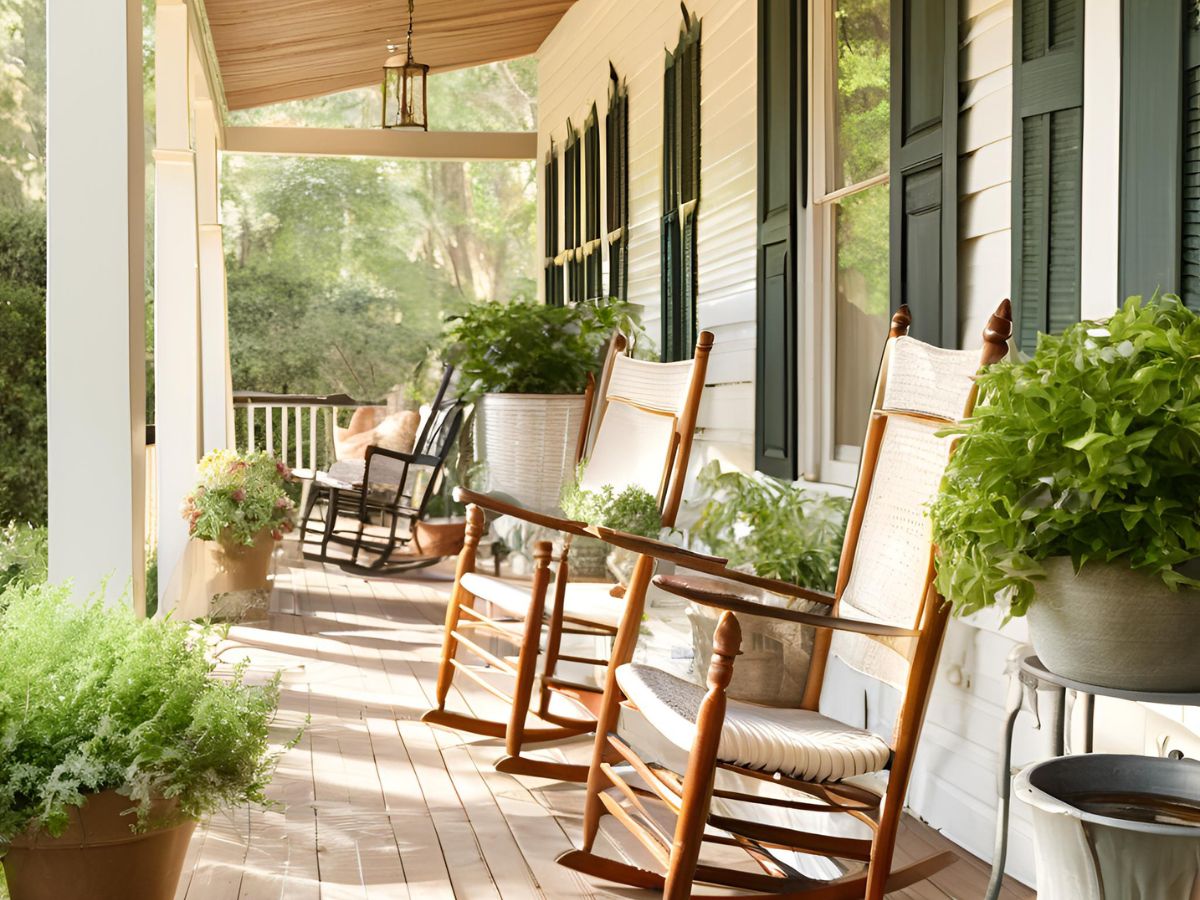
[[236, 567], [98, 857], [440, 537], [1114, 627]]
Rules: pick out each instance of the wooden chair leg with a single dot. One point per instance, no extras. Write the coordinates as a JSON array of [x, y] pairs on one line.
[[459, 598], [331, 516], [702, 762], [530, 647], [610, 706], [554, 635]]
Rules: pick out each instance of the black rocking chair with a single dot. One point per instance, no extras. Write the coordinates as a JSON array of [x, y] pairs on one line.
[[386, 495]]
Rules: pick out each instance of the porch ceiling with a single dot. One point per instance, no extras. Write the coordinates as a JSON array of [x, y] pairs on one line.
[[273, 50]]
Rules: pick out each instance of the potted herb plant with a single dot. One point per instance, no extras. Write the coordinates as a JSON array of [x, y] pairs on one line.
[[633, 510], [526, 365], [775, 529], [1074, 498], [241, 506], [115, 738]]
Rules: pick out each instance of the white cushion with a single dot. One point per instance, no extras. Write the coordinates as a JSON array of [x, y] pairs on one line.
[[798, 743], [585, 599]]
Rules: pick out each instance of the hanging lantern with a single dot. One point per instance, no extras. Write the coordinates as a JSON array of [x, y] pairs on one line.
[[404, 87]]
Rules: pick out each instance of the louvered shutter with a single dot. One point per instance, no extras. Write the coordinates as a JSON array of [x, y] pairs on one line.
[[1159, 232], [1047, 165], [924, 166], [779, 99], [572, 215], [593, 256], [552, 266], [616, 125]]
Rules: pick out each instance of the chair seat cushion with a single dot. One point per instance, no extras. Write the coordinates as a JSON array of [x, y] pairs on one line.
[[587, 600], [798, 743]]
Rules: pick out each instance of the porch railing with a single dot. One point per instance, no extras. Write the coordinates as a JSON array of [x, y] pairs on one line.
[[295, 428]]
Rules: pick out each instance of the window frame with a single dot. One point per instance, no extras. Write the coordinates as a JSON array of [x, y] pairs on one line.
[[823, 460]]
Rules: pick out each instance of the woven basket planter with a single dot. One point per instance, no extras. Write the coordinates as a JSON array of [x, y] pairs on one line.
[[528, 444], [1114, 627]]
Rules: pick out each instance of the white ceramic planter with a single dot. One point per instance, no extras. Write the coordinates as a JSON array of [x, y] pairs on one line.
[[528, 443], [1114, 627]]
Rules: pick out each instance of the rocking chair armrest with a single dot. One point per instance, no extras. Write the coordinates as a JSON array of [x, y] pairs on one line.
[[709, 565], [711, 592], [505, 508], [413, 459]]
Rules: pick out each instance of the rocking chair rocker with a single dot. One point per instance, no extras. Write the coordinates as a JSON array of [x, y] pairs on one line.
[[885, 620], [643, 436]]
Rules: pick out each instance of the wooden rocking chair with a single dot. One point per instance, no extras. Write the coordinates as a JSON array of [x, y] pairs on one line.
[[885, 620], [645, 420]]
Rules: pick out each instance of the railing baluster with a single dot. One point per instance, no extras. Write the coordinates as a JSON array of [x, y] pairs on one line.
[[312, 438], [250, 427], [283, 427], [299, 440], [270, 448]]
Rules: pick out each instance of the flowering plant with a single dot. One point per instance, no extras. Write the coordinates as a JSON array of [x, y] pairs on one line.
[[238, 496]]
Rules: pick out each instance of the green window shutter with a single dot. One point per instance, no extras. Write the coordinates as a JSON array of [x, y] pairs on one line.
[[593, 258], [681, 191], [1159, 230], [924, 166], [1047, 165], [616, 131], [572, 215], [553, 269], [781, 48]]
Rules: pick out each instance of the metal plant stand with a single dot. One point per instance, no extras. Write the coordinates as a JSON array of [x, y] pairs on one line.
[[1027, 677]]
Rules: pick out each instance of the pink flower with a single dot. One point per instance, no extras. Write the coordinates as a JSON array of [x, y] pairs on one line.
[[277, 534], [287, 525], [283, 503], [283, 470], [238, 496]]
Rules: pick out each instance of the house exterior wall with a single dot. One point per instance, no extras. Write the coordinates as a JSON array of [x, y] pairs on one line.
[[955, 777], [573, 73]]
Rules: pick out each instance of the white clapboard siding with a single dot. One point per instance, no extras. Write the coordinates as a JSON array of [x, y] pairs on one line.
[[573, 73], [985, 161]]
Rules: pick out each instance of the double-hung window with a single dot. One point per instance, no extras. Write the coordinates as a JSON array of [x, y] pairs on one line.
[[849, 285]]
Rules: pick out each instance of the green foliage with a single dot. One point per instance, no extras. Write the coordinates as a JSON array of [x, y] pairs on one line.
[[633, 510], [529, 348], [1089, 449], [24, 554], [780, 530], [93, 698], [239, 494], [23, 364]]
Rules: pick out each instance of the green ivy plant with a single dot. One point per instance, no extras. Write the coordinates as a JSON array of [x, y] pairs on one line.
[[24, 553], [1090, 449], [93, 698], [239, 495], [778, 529], [633, 509], [529, 348]]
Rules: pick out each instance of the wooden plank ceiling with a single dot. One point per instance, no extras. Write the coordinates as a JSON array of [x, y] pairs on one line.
[[273, 50]]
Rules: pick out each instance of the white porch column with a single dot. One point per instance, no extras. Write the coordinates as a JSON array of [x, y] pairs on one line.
[[176, 293], [216, 384], [96, 303]]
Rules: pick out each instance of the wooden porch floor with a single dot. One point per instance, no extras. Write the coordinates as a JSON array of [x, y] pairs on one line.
[[374, 804]]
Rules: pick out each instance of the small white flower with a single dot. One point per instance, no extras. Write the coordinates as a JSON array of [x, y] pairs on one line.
[[1125, 348], [1098, 332]]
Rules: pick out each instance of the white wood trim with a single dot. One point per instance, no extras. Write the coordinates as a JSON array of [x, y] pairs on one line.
[[95, 356], [1101, 158], [463, 146]]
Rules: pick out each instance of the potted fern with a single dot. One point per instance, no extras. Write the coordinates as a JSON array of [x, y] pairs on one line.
[[526, 366], [241, 506], [115, 738], [1074, 498]]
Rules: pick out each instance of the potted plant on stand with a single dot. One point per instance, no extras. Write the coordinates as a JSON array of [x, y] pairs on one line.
[[115, 738], [241, 507], [1074, 498], [526, 365]]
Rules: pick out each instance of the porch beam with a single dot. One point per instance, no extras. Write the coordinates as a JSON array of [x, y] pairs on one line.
[[458, 146], [95, 314]]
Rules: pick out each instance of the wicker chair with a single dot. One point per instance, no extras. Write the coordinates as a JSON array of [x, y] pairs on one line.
[[713, 753], [646, 419]]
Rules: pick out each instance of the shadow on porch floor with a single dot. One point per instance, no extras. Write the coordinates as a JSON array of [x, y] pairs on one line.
[[374, 804]]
